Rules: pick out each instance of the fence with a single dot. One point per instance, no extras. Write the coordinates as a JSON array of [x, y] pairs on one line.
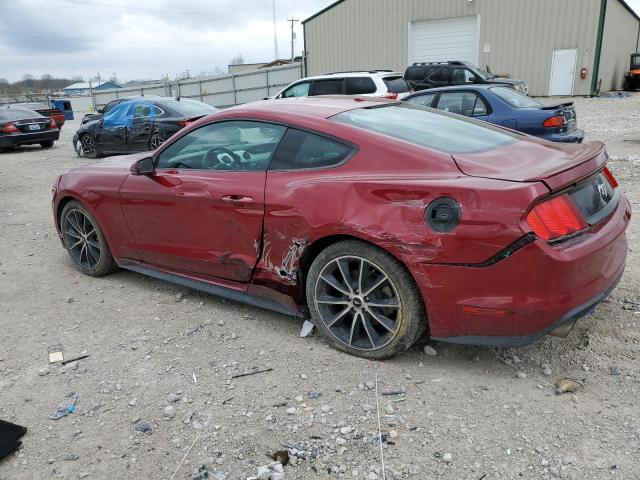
[[222, 91]]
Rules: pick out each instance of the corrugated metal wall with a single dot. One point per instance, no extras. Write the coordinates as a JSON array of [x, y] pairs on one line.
[[521, 35], [216, 91], [618, 43]]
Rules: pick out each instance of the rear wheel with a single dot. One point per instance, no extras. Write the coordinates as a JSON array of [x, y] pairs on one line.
[[364, 301], [156, 140], [89, 148], [47, 144], [85, 242]]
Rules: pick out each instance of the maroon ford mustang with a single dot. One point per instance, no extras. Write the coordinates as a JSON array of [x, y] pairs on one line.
[[382, 221]]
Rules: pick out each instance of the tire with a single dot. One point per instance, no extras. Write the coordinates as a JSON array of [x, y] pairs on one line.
[[89, 147], [379, 315], [156, 140], [91, 255], [47, 144], [626, 86]]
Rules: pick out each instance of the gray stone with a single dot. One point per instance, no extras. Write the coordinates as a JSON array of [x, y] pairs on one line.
[[430, 351], [447, 457], [169, 412]]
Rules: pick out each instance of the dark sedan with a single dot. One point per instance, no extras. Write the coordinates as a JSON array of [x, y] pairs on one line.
[[97, 115], [42, 109], [137, 126], [506, 107], [21, 126]]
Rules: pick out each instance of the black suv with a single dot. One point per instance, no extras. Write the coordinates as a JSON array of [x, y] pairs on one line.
[[421, 76]]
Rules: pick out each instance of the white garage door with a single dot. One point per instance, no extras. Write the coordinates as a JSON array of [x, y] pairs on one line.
[[443, 40]]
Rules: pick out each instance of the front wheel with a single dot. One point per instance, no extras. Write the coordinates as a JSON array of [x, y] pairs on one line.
[[85, 241], [363, 301]]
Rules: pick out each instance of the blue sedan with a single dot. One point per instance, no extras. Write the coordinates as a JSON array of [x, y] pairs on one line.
[[506, 107]]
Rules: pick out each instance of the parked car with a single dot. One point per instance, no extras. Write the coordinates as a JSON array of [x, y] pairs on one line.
[[42, 109], [137, 125], [507, 107], [21, 126], [421, 76], [100, 112], [374, 83], [384, 219]]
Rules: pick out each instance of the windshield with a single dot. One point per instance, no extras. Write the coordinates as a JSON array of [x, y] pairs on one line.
[[515, 99], [189, 108], [483, 74], [429, 128]]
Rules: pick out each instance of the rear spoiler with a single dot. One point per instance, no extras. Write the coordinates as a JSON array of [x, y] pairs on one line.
[[558, 105]]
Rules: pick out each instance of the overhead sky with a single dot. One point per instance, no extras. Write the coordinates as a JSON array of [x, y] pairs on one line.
[[145, 40]]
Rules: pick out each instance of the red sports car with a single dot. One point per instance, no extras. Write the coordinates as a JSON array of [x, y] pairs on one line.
[[380, 220]]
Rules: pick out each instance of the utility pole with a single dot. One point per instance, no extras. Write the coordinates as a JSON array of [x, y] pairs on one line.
[[276, 54], [293, 35]]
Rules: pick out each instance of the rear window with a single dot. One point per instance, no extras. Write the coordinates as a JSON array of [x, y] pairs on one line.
[[189, 108], [513, 98], [17, 113], [360, 85], [396, 84], [327, 87], [428, 128]]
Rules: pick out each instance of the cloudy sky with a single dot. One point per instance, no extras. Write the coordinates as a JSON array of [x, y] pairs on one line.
[[144, 40]]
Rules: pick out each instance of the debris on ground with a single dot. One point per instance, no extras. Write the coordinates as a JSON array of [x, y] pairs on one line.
[[251, 372], [71, 360], [566, 385], [143, 427], [430, 351], [208, 473], [63, 412], [55, 353], [281, 456], [273, 471], [307, 328], [10, 435]]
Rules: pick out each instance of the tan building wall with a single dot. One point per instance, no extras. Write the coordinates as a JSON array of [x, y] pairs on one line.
[[518, 36], [619, 40]]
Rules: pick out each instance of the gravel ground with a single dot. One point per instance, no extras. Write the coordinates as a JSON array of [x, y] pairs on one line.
[[164, 356]]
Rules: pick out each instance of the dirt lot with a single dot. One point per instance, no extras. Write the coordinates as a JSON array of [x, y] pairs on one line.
[[466, 413]]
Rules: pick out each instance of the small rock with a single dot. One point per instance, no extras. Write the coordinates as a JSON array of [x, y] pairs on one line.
[[368, 408], [133, 402], [546, 370], [169, 412], [370, 385], [615, 371], [346, 430], [44, 371], [430, 351], [172, 398], [69, 300], [393, 434], [221, 323], [263, 473], [447, 457], [340, 441], [142, 427], [388, 409], [325, 408], [521, 375], [291, 410]]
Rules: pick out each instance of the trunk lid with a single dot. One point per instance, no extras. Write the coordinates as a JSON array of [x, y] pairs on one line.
[[32, 125], [530, 160]]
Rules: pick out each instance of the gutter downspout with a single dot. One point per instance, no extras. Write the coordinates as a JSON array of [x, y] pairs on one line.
[[305, 73], [596, 60]]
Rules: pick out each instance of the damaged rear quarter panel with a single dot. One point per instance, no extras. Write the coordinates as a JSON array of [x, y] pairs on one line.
[[380, 196]]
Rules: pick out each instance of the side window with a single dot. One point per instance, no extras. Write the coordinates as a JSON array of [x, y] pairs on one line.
[[119, 116], [298, 90], [438, 75], [143, 111], [226, 145], [360, 85], [462, 103], [424, 100], [299, 150], [332, 86], [462, 76]]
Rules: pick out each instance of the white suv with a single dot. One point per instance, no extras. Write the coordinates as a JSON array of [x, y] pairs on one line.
[[375, 83]]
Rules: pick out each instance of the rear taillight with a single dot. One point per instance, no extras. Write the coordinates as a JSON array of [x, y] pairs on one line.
[[9, 128], [555, 218], [555, 121], [391, 95], [184, 123], [610, 178], [53, 124]]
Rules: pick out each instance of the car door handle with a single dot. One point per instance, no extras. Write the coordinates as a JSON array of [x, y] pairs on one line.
[[238, 200]]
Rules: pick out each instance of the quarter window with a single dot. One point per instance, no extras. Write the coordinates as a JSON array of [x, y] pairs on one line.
[[299, 90], [227, 145], [300, 150], [462, 76], [438, 75]]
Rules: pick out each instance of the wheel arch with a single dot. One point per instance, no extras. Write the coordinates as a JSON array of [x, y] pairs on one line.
[[65, 199]]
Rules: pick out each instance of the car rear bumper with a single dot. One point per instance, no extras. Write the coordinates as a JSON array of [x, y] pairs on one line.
[[530, 293], [13, 140], [576, 136]]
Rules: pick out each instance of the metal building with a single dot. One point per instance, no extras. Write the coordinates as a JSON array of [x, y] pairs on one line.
[[559, 47]]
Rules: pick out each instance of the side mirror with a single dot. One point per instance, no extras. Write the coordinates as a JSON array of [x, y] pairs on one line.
[[144, 166], [100, 110]]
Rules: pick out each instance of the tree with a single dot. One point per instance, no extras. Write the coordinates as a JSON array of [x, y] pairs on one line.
[[77, 79], [237, 60], [27, 76], [4, 81], [114, 79]]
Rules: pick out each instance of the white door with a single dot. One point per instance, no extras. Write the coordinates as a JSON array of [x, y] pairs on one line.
[[444, 40], [563, 72]]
